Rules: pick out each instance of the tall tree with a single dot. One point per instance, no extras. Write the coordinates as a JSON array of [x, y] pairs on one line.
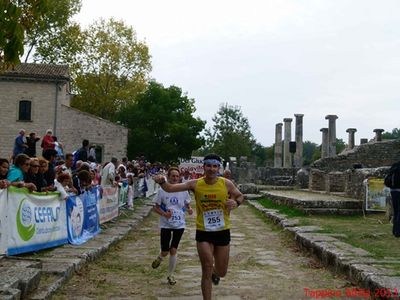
[[108, 65], [395, 134], [161, 124], [54, 23], [17, 18], [230, 134]]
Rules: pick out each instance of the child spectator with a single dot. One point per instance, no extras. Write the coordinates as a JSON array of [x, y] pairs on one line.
[[63, 184]]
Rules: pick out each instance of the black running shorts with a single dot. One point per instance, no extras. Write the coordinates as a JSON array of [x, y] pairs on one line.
[[217, 238]]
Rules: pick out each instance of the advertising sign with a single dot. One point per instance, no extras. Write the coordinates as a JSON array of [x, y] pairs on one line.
[[376, 194], [35, 221]]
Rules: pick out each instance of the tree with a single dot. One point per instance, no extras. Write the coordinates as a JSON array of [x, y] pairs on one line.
[[310, 152], [161, 123], [230, 134], [54, 24], [395, 134], [109, 66], [17, 18]]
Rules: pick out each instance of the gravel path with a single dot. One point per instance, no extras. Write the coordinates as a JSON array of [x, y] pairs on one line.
[[265, 264]]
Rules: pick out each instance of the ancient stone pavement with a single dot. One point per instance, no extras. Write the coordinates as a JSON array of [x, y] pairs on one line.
[[265, 264]]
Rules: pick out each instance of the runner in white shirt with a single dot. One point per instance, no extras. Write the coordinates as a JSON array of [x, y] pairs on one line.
[[171, 207]]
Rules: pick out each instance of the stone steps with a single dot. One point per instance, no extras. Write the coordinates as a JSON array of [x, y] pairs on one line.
[[314, 203], [27, 277]]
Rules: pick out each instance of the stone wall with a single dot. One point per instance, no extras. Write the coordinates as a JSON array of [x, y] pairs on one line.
[[50, 110], [43, 98], [77, 125], [370, 155], [247, 173]]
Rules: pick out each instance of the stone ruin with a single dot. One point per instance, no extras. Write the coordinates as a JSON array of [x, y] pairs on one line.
[[341, 173]]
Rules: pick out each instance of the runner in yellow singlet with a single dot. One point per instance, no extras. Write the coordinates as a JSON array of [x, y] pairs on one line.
[[215, 198]]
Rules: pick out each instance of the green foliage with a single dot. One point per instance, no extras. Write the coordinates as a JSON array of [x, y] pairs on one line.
[[340, 145], [395, 134], [109, 66], [311, 152], [55, 24], [161, 124], [230, 135], [16, 19]]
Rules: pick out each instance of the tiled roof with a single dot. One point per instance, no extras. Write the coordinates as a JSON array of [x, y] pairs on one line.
[[38, 71]]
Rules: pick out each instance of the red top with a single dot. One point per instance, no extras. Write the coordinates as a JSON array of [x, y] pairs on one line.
[[48, 142]]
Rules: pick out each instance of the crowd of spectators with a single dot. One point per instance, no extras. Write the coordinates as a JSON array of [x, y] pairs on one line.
[[75, 172]]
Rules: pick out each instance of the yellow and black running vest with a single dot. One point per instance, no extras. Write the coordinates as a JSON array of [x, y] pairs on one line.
[[212, 213]]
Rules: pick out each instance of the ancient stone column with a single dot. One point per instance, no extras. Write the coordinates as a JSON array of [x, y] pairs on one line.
[[378, 134], [351, 132], [278, 146], [324, 146], [298, 156], [287, 156], [331, 135], [363, 141]]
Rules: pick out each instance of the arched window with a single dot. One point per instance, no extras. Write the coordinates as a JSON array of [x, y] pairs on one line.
[[24, 113]]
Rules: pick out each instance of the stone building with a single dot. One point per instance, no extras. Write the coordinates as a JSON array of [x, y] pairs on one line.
[[36, 97]]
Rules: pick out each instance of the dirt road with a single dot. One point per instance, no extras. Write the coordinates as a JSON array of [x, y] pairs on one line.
[[265, 264]]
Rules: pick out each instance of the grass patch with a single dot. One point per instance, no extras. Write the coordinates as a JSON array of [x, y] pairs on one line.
[[282, 209], [372, 232]]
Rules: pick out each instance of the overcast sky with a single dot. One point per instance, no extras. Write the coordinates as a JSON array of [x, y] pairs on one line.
[[274, 59]]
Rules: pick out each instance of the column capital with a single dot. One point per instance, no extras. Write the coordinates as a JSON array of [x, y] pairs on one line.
[[324, 130], [331, 117], [278, 124], [378, 130], [299, 115], [287, 120], [351, 130]]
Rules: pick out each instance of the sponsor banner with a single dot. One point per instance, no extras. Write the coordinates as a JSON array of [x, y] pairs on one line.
[[152, 187], [194, 165], [108, 204], [83, 216], [35, 221], [3, 221], [123, 193], [376, 194]]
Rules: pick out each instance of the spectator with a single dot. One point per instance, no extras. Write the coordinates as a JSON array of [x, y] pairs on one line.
[[59, 148], [92, 153], [48, 141], [31, 141], [50, 174], [75, 179], [83, 152], [18, 170], [34, 176], [186, 175], [19, 144], [85, 180], [4, 166], [108, 173], [63, 184], [67, 166]]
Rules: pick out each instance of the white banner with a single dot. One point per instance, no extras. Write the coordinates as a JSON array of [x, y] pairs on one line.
[[108, 204], [194, 166], [3, 222], [35, 221]]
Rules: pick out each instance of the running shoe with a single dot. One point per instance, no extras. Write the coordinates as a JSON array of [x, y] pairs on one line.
[[215, 279], [171, 280], [156, 263]]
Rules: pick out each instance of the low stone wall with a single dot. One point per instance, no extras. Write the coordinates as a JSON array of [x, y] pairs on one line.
[[349, 182], [335, 182], [370, 155], [263, 175]]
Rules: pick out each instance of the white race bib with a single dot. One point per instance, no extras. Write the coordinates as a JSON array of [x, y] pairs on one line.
[[177, 218], [214, 220]]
